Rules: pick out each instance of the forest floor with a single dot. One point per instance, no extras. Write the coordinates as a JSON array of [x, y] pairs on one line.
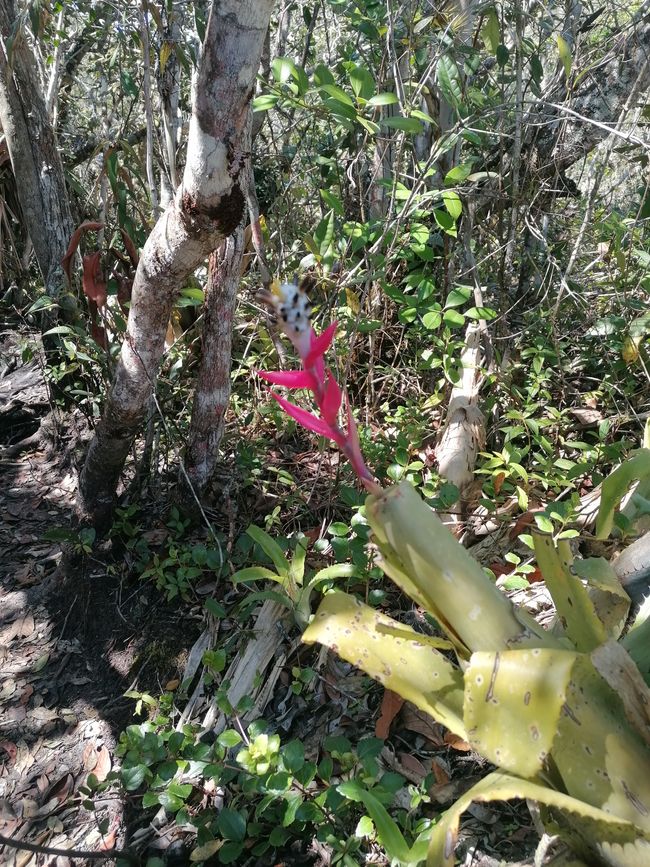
[[76, 635]]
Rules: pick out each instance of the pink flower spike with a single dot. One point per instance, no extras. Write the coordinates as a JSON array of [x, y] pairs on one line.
[[306, 419], [319, 345], [331, 401], [288, 378], [353, 448]]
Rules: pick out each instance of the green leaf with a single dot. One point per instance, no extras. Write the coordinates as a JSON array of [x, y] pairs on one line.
[[257, 573], [616, 485], [491, 31], [132, 777], [231, 825], [448, 78], [265, 101], [564, 53], [332, 201], [432, 319], [406, 124], [458, 174], [383, 99], [322, 75], [362, 82], [452, 203], [575, 608], [338, 93], [229, 738], [445, 221], [458, 296], [453, 318], [270, 548], [503, 55], [388, 831], [282, 69], [324, 234], [215, 608]]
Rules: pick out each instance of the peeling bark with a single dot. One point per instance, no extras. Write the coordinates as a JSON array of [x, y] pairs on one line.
[[33, 151], [207, 207], [463, 433]]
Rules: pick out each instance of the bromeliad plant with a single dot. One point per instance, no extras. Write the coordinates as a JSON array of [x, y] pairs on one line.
[[564, 714]]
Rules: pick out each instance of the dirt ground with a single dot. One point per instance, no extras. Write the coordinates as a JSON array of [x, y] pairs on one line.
[[75, 635]]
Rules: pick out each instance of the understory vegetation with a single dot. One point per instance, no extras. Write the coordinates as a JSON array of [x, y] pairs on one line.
[[401, 586]]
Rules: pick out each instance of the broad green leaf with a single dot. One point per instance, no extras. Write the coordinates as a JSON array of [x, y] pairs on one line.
[[616, 485], [437, 572], [265, 101], [401, 659], [432, 319], [520, 691], [452, 203], [481, 313], [406, 124], [448, 78], [458, 174], [231, 824], [282, 69], [337, 93], [599, 755], [618, 842], [362, 82], [297, 567], [383, 99], [458, 296], [330, 573], [271, 548], [370, 125], [503, 55], [322, 75], [324, 234], [332, 201], [610, 601], [445, 221], [491, 31], [574, 607], [453, 318]]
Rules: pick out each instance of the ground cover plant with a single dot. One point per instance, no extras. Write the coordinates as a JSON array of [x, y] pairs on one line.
[[355, 597]]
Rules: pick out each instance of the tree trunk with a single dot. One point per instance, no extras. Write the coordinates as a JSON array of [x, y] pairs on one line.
[[33, 150], [589, 114], [213, 381], [207, 207]]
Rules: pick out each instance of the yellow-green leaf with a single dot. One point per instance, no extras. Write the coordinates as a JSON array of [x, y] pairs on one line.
[[512, 704], [401, 659]]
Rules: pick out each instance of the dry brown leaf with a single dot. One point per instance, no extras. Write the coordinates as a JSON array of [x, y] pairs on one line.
[[456, 743], [415, 770], [171, 685], [108, 841], [103, 766], [421, 723], [391, 705], [89, 756], [441, 775]]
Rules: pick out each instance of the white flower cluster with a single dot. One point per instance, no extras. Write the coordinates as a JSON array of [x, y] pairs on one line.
[[293, 309]]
